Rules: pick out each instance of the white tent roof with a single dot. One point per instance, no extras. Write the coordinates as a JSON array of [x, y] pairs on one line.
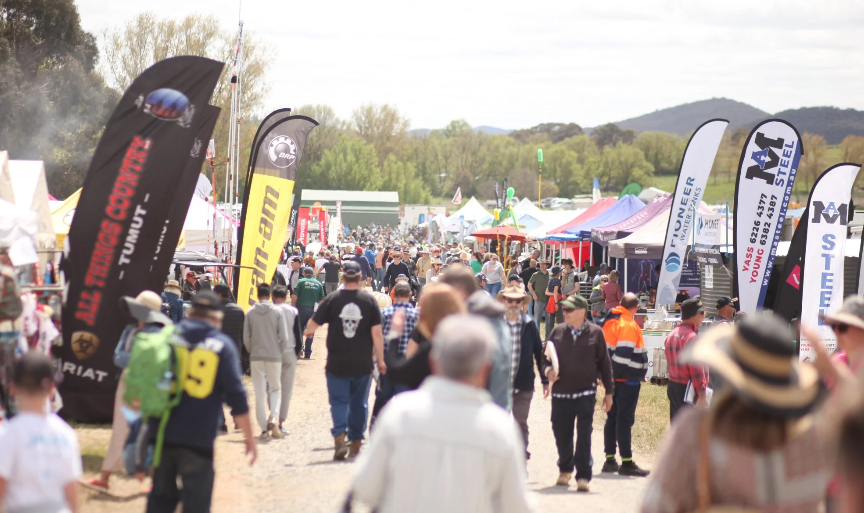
[[525, 206], [472, 211], [200, 234], [648, 193], [5, 181], [30, 190], [650, 236]]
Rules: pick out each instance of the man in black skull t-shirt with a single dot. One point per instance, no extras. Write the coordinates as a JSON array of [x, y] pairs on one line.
[[354, 331]]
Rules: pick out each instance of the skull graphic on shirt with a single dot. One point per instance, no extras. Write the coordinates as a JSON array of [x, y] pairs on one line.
[[350, 319]]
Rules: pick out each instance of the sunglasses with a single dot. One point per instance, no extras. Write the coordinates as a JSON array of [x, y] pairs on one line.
[[840, 328], [567, 310], [512, 301]]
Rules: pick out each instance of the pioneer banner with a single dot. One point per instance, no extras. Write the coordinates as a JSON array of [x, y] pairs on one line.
[[822, 270], [695, 168], [125, 200], [186, 188], [267, 207], [766, 175], [707, 246]]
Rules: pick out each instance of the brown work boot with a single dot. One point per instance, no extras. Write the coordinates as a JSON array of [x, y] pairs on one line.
[[354, 448], [563, 479], [341, 447]]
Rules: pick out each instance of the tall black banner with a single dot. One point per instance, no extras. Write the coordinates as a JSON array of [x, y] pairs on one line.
[[126, 197], [268, 199], [171, 231], [292, 222], [787, 302], [274, 117]]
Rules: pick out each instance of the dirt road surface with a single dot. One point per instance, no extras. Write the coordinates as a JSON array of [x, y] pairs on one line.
[[298, 473]]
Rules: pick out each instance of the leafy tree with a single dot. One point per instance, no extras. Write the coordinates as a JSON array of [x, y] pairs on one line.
[[382, 126], [852, 147], [325, 136], [611, 134], [664, 151], [147, 39], [524, 182], [351, 165], [401, 176], [813, 161], [53, 106], [622, 164]]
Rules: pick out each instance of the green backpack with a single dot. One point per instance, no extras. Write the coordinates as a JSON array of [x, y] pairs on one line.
[[154, 379]]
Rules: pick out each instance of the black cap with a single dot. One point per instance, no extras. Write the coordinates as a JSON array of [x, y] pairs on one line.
[[351, 269], [691, 307], [725, 300], [34, 372], [207, 301], [307, 270], [516, 278]]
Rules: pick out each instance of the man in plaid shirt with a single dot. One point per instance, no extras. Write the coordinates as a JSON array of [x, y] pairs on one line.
[[680, 374], [402, 297]]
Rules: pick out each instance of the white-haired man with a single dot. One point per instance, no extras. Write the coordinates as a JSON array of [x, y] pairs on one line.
[[452, 420]]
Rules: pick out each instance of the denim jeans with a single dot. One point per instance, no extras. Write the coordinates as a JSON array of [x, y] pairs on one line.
[[379, 279], [306, 313], [349, 404], [564, 413], [196, 475], [493, 288], [619, 422], [385, 391], [539, 312]]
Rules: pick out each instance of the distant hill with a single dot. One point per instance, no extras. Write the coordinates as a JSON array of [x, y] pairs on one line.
[[683, 119], [830, 122], [490, 130]]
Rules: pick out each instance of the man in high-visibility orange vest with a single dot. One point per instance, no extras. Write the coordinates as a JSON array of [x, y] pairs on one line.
[[629, 367]]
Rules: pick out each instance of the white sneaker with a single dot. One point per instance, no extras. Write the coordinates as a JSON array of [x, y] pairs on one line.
[[582, 485]]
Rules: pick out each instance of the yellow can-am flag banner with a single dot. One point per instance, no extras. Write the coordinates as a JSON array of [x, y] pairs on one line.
[[267, 206]]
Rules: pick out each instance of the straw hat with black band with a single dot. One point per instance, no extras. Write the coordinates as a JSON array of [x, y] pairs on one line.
[[514, 292], [758, 362]]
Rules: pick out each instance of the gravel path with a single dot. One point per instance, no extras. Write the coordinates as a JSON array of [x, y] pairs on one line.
[[298, 473]]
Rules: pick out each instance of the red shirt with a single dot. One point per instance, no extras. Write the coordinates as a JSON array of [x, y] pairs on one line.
[[683, 373]]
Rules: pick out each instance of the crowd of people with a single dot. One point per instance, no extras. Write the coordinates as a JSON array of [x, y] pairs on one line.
[[454, 342]]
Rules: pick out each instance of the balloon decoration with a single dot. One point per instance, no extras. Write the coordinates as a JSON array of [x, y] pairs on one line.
[[510, 193]]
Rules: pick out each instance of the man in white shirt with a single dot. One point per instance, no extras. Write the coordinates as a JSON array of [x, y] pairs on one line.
[[450, 420]]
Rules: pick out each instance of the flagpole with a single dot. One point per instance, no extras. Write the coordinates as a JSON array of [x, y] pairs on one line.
[[539, 175]]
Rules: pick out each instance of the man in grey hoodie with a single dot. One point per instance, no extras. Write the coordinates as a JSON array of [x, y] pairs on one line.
[[265, 335]]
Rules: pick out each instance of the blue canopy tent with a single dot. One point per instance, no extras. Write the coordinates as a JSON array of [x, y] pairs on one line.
[[621, 210]]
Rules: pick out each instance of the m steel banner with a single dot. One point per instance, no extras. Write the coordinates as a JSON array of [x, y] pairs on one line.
[[126, 198], [267, 207], [695, 168], [707, 248], [766, 175], [186, 188], [822, 270]]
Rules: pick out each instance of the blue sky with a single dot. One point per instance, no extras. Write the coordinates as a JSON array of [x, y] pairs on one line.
[[516, 64]]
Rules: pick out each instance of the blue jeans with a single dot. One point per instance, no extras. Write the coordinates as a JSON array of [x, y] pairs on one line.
[[349, 404], [306, 313], [379, 279], [196, 474], [493, 288]]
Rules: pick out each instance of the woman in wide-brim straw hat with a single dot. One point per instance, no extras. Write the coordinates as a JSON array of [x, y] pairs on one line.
[[757, 447]]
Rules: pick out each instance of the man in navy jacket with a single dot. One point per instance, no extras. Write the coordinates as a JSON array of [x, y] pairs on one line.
[[525, 337]]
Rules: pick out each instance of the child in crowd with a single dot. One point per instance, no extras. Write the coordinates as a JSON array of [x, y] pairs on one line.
[[40, 462]]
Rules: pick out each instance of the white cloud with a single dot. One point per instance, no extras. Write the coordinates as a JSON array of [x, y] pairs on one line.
[[516, 64]]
